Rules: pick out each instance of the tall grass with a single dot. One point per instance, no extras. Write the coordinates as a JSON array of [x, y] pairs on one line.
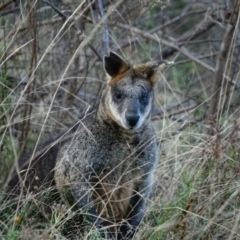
[[50, 76]]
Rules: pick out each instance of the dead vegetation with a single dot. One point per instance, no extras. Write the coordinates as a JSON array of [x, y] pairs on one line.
[[51, 74]]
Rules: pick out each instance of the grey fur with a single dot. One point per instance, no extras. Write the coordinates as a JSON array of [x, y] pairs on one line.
[[109, 164]]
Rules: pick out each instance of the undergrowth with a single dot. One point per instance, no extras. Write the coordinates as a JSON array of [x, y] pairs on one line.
[[51, 74], [195, 195]]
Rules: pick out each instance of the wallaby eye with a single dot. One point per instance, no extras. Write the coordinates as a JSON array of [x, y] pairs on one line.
[[144, 98], [118, 95]]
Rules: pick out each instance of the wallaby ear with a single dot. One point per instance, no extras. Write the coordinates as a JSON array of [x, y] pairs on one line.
[[114, 64], [150, 69]]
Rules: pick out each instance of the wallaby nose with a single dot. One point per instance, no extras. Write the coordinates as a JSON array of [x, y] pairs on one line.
[[132, 119]]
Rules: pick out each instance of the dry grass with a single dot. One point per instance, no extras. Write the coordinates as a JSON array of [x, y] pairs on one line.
[[50, 76]]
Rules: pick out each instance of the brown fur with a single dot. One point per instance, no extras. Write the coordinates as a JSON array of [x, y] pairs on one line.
[[113, 200], [119, 74]]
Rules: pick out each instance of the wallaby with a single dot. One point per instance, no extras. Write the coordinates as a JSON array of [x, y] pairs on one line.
[[109, 164], [106, 167]]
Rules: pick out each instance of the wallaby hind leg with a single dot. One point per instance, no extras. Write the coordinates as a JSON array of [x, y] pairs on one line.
[[130, 226]]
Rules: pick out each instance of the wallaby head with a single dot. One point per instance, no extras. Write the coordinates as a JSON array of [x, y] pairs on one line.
[[128, 96]]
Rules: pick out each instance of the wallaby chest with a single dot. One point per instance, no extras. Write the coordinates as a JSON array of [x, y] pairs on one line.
[[112, 162], [116, 155]]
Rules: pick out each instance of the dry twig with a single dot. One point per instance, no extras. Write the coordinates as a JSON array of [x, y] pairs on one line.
[[223, 66]]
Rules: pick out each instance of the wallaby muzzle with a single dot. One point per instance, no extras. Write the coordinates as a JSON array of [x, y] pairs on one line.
[[132, 119]]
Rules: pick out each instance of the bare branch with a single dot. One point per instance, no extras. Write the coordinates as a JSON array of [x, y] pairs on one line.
[[8, 11], [105, 30], [205, 25], [5, 4], [62, 15], [79, 31], [223, 65], [169, 44], [176, 19]]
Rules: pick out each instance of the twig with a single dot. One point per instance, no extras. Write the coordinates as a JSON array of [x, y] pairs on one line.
[[63, 16], [79, 31], [8, 11], [176, 19], [28, 108], [161, 115], [105, 30], [92, 13], [173, 47], [5, 4], [193, 33], [169, 44], [38, 24], [183, 15], [223, 65]]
